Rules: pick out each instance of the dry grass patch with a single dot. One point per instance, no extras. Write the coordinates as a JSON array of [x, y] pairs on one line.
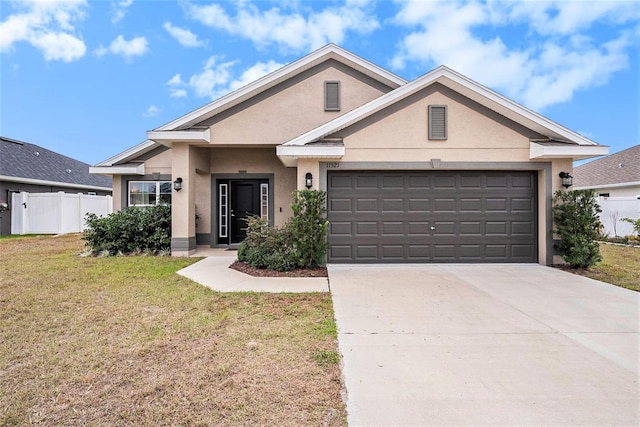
[[126, 341]]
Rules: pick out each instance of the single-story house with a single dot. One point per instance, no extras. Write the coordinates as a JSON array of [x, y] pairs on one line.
[[615, 175], [616, 181], [26, 167], [437, 169]]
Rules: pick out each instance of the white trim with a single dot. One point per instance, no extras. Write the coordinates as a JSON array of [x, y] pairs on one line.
[[289, 155], [223, 208], [460, 84], [143, 147], [169, 136], [118, 170], [558, 151], [621, 185], [51, 183], [329, 51]]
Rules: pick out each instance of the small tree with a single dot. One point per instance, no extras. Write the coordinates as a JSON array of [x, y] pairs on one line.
[[309, 227], [576, 216], [635, 223]]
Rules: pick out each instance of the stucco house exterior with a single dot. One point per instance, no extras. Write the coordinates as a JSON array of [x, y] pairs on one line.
[[438, 169], [26, 167]]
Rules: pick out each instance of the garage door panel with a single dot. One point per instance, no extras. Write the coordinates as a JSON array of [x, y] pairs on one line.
[[432, 216]]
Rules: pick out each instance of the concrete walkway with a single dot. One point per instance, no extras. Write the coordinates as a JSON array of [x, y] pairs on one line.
[[214, 272], [485, 345]]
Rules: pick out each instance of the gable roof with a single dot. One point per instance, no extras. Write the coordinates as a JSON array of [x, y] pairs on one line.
[[465, 87], [330, 51], [619, 168], [24, 162]]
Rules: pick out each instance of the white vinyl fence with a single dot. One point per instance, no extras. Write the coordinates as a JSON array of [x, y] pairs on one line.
[[54, 213], [616, 208]]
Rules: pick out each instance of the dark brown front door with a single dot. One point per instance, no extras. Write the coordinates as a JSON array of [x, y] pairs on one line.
[[244, 202]]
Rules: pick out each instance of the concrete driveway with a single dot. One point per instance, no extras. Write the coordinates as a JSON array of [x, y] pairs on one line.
[[485, 345]]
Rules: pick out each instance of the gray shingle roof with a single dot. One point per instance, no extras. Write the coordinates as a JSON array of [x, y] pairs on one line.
[[23, 160], [617, 168]]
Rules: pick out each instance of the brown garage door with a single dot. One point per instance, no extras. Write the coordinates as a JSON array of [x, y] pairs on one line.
[[426, 216]]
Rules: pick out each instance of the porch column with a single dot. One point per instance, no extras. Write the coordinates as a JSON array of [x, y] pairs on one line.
[[311, 166], [183, 213]]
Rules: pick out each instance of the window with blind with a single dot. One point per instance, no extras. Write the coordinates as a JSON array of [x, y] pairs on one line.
[[332, 96], [438, 122]]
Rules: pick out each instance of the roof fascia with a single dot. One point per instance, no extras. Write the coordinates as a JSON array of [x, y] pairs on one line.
[[597, 187], [289, 155], [33, 181], [330, 51], [167, 137], [460, 84], [575, 152], [131, 153], [118, 170]]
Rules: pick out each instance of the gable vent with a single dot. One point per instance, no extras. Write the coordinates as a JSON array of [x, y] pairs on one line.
[[332, 96], [437, 122]]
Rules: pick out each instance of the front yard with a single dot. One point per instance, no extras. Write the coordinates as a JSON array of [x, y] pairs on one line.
[[126, 341], [620, 266]]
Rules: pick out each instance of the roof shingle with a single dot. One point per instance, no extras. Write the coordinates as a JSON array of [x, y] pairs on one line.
[[618, 168]]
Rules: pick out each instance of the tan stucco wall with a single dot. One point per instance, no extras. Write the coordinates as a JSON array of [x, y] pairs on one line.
[[293, 107], [160, 163], [400, 133], [259, 161], [117, 192]]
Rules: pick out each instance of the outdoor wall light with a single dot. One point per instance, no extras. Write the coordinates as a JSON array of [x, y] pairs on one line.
[[308, 180], [177, 184], [567, 179]]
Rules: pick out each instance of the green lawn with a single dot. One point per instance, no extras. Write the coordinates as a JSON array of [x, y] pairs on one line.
[[126, 341]]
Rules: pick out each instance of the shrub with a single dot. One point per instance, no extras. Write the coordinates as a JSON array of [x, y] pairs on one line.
[[267, 247], [134, 229], [300, 243], [635, 223], [309, 227], [576, 216]]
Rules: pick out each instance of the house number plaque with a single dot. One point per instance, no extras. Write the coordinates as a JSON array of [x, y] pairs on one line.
[[333, 165]]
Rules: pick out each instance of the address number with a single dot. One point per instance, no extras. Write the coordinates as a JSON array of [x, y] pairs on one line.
[[333, 165]]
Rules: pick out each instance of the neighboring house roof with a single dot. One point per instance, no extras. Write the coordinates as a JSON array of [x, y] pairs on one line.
[[32, 164], [618, 169]]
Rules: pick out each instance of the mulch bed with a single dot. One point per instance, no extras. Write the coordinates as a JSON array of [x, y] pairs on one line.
[[243, 267]]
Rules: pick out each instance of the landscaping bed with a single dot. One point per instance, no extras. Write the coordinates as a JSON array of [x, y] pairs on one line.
[[243, 267]]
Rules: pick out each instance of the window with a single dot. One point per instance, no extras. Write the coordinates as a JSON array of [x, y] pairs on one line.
[[149, 193], [332, 96], [264, 200], [438, 122], [224, 204]]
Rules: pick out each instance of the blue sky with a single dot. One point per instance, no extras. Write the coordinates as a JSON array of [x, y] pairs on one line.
[[88, 78]]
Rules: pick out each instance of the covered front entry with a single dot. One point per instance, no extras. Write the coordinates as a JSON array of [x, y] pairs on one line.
[[236, 200], [432, 216]]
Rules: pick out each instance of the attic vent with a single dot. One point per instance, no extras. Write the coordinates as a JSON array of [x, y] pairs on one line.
[[437, 122], [332, 96]]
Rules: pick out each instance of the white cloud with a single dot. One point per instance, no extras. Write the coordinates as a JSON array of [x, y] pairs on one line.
[[119, 10], [293, 30], [177, 87], [119, 46], [254, 73], [549, 70], [185, 37], [48, 26], [217, 78], [152, 111]]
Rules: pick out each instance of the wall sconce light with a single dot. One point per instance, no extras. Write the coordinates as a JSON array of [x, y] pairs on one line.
[[567, 179], [177, 184], [308, 180]]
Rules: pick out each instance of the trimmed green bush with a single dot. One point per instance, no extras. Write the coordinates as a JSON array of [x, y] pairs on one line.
[[267, 247], [577, 224], [300, 243], [133, 229]]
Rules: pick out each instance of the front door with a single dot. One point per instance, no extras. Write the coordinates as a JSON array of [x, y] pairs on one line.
[[245, 201], [237, 200]]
